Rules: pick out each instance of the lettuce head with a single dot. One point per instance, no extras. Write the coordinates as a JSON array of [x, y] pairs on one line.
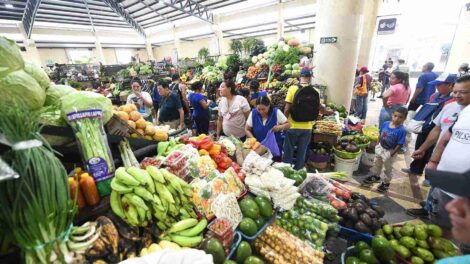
[[10, 57], [55, 92], [20, 88], [37, 73]]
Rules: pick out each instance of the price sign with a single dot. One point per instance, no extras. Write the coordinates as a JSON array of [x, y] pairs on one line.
[[328, 40]]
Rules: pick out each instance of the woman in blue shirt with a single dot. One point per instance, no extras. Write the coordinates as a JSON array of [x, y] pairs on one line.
[[254, 87], [265, 118], [200, 104]]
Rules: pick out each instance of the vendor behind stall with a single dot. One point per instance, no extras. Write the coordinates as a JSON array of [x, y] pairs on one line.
[[255, 93], [171, 111], [265, 118], [142, 100], [200, 103]]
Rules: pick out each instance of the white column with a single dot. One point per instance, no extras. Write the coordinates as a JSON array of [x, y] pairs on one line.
[[218, 35], [280, 20], [149, 48], [32, 53], [460, 50], [336, 63], [369, 32], [99, 49]]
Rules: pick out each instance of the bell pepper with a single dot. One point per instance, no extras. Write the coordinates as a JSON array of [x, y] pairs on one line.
[[221, 170], [205, 143], [225, 163], [203, 152], [195, 143], [218, 158], [215, 149]]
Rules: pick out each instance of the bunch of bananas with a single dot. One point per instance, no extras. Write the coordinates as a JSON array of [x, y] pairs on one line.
[[138, 195], [186, 233]]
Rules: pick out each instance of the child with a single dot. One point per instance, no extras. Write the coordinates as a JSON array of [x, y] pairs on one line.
[[392, 138]]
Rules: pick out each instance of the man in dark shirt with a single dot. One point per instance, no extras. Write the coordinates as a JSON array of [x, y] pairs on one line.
[[179, 89], [423, 88]]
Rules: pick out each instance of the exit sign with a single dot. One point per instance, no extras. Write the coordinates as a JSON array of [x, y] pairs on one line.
[[328, 40]]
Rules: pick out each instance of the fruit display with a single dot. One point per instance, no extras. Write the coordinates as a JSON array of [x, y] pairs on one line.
[[276, 245], [309, 220], [328, 127], [256, 213], [297, 175], [186, 232], [139, 195], [360, 140], [371, 132], [338, 108], [380, 251], [361, 215], [222, 229], [418, 243], [346, 149]]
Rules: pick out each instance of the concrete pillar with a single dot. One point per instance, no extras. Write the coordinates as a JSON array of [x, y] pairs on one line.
[[369, 32], [335, 64], [218, 35], [280, 20], [31, 53], [460, 50], [99, 49], [148, 46]]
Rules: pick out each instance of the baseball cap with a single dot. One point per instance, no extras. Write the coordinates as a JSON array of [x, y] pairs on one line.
[[452, 182], [444, 78], [364, 69], [305, 72]]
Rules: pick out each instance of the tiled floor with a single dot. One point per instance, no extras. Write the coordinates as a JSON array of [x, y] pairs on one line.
[[404, 189]]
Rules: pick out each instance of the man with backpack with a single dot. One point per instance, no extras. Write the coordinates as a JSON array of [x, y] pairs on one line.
[[302, 108], [180, 90]]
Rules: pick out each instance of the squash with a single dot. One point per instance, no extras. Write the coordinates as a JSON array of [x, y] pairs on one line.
[[149, 130], [131, 123], [140, 123], [134, 116], [123, 115]]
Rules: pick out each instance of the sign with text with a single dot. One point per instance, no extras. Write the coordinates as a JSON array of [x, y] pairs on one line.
[[328, 40], [387, 26]]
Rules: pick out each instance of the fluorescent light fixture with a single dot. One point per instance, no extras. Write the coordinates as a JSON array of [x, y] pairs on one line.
[[8, 5]]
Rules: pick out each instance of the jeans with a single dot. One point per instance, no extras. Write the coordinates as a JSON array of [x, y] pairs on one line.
[[361, 106], [386, 114], [300, 139]]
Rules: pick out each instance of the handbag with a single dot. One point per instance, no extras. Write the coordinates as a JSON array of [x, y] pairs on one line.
[[270, 143]]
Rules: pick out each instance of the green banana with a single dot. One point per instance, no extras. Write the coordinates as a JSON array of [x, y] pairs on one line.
[[148, 215], [164, 193], [160, 215], [156, 174], [137, 174], [186, 241], [144, 194], [183, 214], [183, 224], [195, 230], [183, 198], [136, 200], [157, 200], [125, 177], [188, 191], [116, 205], [161, 225], [132, 215], [165, 204], [158, 206], [172, 191], [141, 213], [118, 186], [177, 201], [172, 210], [190, 210], [174, 181]]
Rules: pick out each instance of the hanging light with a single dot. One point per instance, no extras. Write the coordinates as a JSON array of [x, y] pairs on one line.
[[8, 4]]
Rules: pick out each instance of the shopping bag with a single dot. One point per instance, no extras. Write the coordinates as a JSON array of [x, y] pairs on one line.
[[270, 143]]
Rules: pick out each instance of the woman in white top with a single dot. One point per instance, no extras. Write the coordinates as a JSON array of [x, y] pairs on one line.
[[233, 111], [142, 100]]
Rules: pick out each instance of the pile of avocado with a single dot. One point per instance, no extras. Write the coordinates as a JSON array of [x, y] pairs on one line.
[[255, 214], [340, 108], [380, 252], [419, 243], [358, 139], [361, 215], [244, 255]]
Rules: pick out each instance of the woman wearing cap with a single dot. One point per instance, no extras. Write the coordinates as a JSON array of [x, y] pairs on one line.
[[361, 90], [264, 118], [233, 111], [396, 96], [142, 100]]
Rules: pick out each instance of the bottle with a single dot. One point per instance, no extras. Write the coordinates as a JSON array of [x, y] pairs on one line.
[[88, 188], [73, 191]]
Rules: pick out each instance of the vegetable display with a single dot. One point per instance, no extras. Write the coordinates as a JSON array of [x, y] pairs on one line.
[[361, 215], [328, 127]]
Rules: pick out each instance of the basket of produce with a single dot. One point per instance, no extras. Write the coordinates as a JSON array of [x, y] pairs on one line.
[[360, 140], [347, 150], [372, 132], [328, 127]]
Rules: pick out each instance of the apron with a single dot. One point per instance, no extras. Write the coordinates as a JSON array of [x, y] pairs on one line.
[[260, 131]]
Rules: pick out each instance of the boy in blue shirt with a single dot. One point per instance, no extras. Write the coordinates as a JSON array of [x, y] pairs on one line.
[[392, 138]]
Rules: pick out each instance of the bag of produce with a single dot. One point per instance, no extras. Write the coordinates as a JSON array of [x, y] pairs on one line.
[[315, 185]]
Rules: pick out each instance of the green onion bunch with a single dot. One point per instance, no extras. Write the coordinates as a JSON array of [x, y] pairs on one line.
[[36, 207]]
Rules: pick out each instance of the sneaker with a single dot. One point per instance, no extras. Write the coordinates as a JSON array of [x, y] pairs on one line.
[[407, 170], [419, 213], [371, 179], [426, 183], [372, 100], [383, 187]]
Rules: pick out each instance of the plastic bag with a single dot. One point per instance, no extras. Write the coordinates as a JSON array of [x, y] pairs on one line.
[[6, 172], [315, 185], [271, 143]]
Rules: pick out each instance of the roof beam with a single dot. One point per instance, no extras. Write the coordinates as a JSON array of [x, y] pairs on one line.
[[192, 8], [28, 16], [124, 14]]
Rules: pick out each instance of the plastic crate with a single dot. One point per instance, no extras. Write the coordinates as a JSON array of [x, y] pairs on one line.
[[346, 254], [236, 242], [354, 236], [261, 230]]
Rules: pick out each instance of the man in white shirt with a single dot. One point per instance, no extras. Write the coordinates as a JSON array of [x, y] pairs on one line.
[[402, 66], [453, 149]]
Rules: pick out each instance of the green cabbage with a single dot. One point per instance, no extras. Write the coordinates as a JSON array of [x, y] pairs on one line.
[[38, 74], [10, 57], [82, 100], [20, 88], [55, 92]]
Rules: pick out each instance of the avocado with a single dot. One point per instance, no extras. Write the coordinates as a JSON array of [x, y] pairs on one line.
[[425, 254], [214, 247], [265, 207], [416, 260], [249, 208], [352, 260], [402, 251], [248, 226], [420, 233], [422, 244], [382, 249], [407, 230], [396, 232], [408, 242], [361, 227], [243, 252], [375, 224], [367, 255], [434, 230], [360, 207], [260, 222], [228, 261], [360, 245], [387, 229], [365, 218], [253, 260], [351, 214], [439, 254], [372, 213], [379, 210]]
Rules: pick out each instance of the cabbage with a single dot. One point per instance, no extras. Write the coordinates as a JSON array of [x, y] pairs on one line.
[[55, 92], [19, 87], [10, 57], [37, 73], [81, 101]]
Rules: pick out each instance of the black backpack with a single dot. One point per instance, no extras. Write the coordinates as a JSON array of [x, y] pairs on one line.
[[306, 104]]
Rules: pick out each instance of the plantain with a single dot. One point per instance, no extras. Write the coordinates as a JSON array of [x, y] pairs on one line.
[[116, 205], [141, 214], [124, 229]]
